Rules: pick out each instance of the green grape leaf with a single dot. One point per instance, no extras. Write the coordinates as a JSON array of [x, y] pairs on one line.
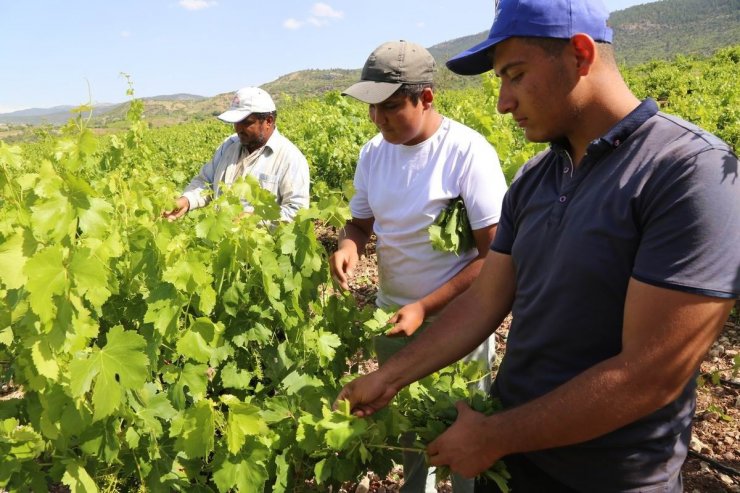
[[282, 471], [322, 471], [194, 430], [194, 347], [47, 277], [89, 276], [95, 220], [54, 217], [244, 420], [120, 364], [327, 345], [341, 429], [78, 479], [12, 262], [43, 358], [195, 378], [244, 472], [213, 226], [450, 231], [295, 381]]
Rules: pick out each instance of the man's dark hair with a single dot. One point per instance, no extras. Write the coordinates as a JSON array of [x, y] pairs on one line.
[[263, 116], [413, 91], [555, 46]]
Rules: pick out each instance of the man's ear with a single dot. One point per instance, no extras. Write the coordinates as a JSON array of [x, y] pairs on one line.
[[427, 97], [584, 49]]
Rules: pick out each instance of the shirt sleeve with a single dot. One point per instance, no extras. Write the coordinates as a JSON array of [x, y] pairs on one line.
[[359, 205], [690, 221], [483, 185], [294, 186], [199, 191]]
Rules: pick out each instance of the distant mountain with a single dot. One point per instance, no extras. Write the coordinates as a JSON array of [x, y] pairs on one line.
[[657, 30], [39, 111], [311, 82], [61, 114], [56, 115], [176, 97]]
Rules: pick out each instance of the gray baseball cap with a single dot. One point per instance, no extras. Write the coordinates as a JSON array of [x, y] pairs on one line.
[[388, 67]]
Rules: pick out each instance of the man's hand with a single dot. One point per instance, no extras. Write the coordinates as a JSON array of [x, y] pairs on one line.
[[182, 205], [367, 394], [342, 264], [465, 446], [406, 320]]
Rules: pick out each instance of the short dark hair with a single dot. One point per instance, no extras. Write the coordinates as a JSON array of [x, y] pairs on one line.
[[413, 91], [263, 116], [555, 46]]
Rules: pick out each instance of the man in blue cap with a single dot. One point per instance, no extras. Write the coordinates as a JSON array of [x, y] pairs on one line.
[[617, 254]]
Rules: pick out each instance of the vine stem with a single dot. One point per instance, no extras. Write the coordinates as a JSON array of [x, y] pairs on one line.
[[402, 449]]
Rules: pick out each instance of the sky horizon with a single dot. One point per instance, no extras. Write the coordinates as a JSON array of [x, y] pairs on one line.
[[69, 53]]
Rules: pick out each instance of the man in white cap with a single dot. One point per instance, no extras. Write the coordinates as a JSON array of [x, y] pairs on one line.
[[617, 255], [418, 163], [257, 149]]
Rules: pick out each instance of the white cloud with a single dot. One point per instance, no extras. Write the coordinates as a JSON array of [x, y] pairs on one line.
[[292, 24], [317, 22], [421, 25], [197, 4], [125, 34], [322, 14], [324, 10]]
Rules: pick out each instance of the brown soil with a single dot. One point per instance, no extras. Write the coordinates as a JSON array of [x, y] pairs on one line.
[[716, 432]]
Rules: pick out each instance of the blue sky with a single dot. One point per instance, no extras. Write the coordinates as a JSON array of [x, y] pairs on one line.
[[51, 50]]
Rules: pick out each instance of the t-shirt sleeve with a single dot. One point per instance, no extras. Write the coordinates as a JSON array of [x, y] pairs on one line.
[[690, 224], [359, 205], [483, 185]]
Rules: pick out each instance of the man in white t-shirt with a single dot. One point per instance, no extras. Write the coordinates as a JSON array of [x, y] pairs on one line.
[[418, 163]]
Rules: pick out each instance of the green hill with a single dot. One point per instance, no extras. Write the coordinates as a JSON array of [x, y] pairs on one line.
[[653, 31], [662, 30]]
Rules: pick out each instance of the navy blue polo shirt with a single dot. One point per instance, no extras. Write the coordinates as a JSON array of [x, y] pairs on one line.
[[657, 199]]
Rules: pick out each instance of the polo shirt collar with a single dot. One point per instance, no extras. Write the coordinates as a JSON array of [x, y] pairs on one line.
[[618, 133]]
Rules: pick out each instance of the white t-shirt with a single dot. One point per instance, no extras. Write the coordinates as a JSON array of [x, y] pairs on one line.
[[405, 187]]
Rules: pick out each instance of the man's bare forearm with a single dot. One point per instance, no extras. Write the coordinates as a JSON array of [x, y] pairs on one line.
[[461, 326], [354, 234]]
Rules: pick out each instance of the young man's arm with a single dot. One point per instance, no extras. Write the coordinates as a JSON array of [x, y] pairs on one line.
[[351, 244], [410, 317], [666, 333]]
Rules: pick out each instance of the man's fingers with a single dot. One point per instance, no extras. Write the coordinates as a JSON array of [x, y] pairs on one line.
[[394, 331]]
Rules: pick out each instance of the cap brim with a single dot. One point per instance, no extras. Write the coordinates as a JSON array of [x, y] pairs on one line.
[[372, 92], [233, 116], [475, 60]]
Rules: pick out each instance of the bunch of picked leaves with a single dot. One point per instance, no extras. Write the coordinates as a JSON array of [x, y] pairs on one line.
[[451, 231], [429, 404]]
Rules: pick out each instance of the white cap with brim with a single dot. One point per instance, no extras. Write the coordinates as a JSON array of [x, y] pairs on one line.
[[246, 101]]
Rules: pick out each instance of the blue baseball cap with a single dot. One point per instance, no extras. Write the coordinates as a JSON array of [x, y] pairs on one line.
[[535, 18]]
